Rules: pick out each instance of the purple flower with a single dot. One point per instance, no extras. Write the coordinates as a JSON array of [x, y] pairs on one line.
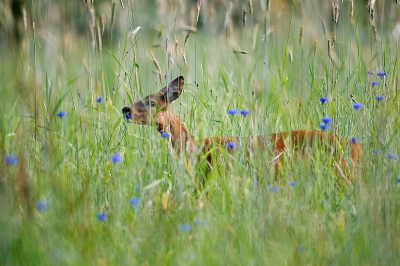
[[11, 159], [128, 115], [99, 100], [381, 74], [374, 83], [398, 179], [164, 135], [357, 106], [292, 183], [353, 140], [231, 145], [185, 227], [244, 112], [273, 188], [116, 158], [61, 114], [135, 203], [370, 72], [232, 112], [42, 205], [102, 216], [326, 120], [391, 156], [323, 126], [323, 100], [379, 98]]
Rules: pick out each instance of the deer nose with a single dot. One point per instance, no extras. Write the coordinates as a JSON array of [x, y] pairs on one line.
[[127, 112]]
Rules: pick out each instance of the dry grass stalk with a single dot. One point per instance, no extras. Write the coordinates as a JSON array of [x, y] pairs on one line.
[[192, 29], [244, 17], [171, 60], [187, 28], [330, 47], [184, 57], [157, 67], [198, 12], [132, 34], [371, 4], [335, 11], [228, 20], [332, 55], [315, 47], [240, 52], [374, 29], [103, 24], [25, 23], [92, 23], [99, 35], [301, 33], [186, 38], [176, 46], [112, 14], [251, 7], [351, 8]]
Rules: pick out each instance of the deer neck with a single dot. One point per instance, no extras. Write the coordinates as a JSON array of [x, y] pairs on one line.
[[180, 138]]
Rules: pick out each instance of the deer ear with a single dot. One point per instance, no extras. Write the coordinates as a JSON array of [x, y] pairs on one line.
[[172, 91]]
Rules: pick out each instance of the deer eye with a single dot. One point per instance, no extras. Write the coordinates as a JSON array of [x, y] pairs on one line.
[[151, 103]]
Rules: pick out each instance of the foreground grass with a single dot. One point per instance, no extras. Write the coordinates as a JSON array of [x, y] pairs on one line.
[[68, 201]]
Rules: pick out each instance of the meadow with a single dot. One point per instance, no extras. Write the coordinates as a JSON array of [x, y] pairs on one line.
[[79, 186]]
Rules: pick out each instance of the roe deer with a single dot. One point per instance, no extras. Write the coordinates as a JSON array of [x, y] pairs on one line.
[[155, 108]]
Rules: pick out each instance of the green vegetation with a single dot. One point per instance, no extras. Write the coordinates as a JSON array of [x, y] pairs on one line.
[[68, 199]]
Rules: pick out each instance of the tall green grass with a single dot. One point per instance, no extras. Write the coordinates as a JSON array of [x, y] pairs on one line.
[[51, 199]]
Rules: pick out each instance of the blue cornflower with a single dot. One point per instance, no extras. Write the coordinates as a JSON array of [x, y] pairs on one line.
[[99, 99], [379, 98], [128, 115], [353, 140], [370, 72], [231, 145], [164, 135], [185, 227], [323, 99], [392, 156], [292, 183], [232, 112], [244, 112], [357, 106], [324, 126], [42, 205], [135, 203], [326, 120], [375, 151], [381, 74], [116, 158], [273, 188], [200, 222], [61, 114], [374, 83], [11, 159], [102, 216], [398, 179], [300, 248]]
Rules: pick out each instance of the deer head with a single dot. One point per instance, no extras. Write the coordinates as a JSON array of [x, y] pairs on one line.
[[153, 107]]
